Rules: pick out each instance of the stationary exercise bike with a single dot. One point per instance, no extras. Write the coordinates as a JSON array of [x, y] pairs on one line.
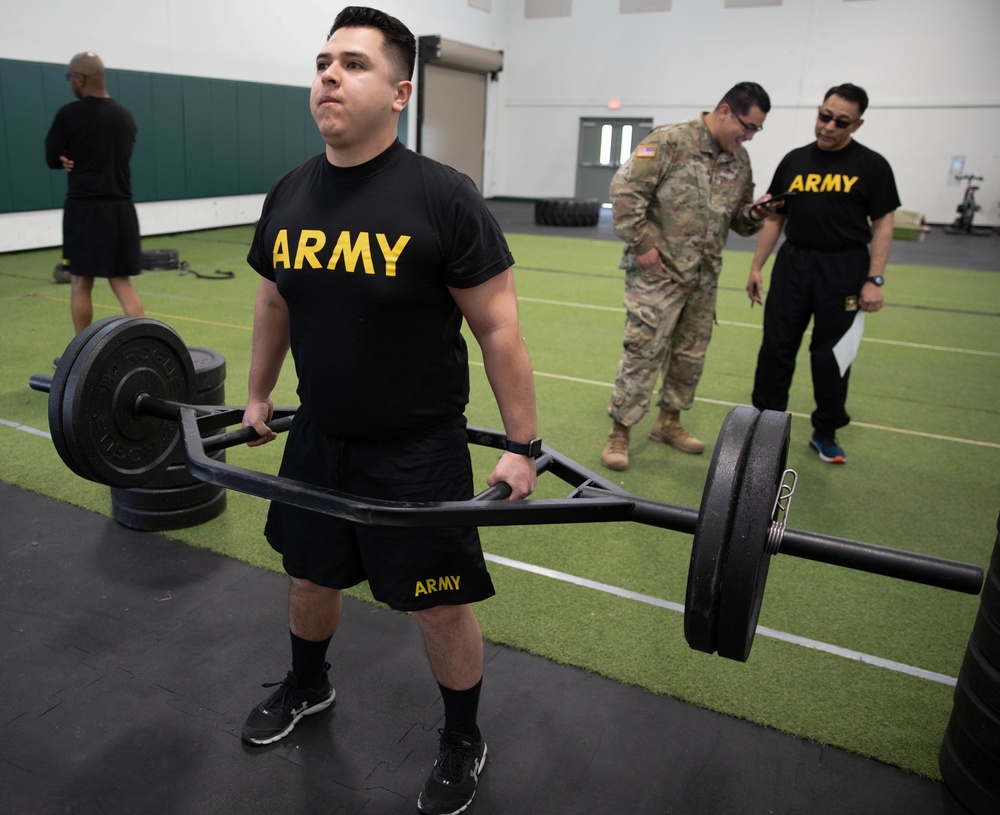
[[967, 209]]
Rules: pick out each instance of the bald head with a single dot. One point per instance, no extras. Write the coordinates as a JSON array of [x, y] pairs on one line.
[[86, 75], [87, 63]]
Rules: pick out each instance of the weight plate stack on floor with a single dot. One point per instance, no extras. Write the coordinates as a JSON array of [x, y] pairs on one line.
[[158, 260], [970, 753], [175, 499]]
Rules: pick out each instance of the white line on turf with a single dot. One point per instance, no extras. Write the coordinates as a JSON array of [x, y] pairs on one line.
[[44, 434], [762, 631], [757, 326], [608, 386]]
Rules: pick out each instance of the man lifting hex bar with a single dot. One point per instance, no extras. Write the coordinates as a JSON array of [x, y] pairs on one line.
[[370, 257]]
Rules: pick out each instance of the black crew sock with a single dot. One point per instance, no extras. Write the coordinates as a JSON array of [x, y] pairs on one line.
[[460, 710], [309, 660]]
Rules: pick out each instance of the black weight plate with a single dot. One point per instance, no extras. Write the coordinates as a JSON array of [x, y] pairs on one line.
[[165, 498], [989, 599], [965, 785], [981, 678], [711, 534], [112, 443], [986, 635], [747, 562], [153, 521], [978, 764], [209, 370], [176, 475], [981, 722], [212, 396], [57, 389]]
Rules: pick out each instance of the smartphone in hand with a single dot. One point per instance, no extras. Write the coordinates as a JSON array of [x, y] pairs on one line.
[[774, 199]]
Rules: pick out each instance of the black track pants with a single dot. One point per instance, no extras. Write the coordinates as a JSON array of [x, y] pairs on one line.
[[808, 284]]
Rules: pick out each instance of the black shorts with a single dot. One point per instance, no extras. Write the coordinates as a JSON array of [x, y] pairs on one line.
[[408, 568], [101, 237]]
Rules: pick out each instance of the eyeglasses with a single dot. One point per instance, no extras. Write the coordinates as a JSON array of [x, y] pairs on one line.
[[746, 127], [826, 118], [71, 74]]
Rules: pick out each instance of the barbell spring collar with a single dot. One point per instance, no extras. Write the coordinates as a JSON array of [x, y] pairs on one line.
[[781, 508]]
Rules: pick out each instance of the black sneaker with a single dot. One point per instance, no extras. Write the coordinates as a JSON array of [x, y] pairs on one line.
[[452, 783], [275, 717]]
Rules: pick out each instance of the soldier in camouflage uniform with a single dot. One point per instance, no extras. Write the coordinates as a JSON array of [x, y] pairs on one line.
[[675, 200]]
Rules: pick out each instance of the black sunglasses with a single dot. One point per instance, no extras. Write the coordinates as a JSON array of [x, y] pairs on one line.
[[826, 118]]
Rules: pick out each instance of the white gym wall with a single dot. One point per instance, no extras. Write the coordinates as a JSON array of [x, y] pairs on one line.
[[931, 68]]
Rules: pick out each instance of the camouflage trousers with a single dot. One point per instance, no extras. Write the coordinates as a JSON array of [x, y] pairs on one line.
[[667, 331]]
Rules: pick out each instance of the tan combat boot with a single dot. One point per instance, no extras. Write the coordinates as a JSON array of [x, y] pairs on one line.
[[668, 430], [615, 453]]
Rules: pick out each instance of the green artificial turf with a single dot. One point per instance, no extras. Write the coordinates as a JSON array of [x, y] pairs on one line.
[[923, 475]]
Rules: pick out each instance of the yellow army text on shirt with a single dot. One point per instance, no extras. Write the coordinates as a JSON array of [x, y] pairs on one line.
[[682, 193]]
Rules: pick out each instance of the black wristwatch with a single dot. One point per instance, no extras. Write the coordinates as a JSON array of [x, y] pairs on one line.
[[878, 280], [533, 448]]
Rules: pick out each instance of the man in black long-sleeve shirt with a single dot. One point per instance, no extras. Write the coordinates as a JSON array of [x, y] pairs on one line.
[[92, 140]]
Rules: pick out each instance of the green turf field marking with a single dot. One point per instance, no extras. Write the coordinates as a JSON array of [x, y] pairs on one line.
[[857, 656], [932, 347], [757, 327], [900, 343], [618, 309], [44, 434], [783, 636], [156, 315], [724, 403], [584, 582]]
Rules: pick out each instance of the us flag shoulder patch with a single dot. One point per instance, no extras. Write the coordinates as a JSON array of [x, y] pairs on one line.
[[645, 151]]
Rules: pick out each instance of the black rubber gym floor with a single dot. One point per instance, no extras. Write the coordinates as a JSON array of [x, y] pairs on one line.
[[130, 660]]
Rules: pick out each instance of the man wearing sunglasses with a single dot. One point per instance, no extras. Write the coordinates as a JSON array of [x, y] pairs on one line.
[[843, 199]]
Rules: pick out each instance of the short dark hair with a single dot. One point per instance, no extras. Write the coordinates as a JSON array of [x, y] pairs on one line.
[[400, 45], [743, 96], [852, 93]]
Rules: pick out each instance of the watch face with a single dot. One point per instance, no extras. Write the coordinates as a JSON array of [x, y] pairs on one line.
[[878, 280]]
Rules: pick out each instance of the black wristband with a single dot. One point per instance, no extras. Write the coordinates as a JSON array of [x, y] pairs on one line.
[[533, 448]]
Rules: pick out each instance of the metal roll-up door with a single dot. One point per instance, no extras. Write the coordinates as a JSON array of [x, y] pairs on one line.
[[451, 118], [454, 126]]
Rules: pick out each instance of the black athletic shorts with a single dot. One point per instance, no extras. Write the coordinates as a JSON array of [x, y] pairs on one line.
[[101, 237], [408, 568]]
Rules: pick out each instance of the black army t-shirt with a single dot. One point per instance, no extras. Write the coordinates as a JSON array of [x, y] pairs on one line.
[[98, 134], [837, 192], [363, 257]]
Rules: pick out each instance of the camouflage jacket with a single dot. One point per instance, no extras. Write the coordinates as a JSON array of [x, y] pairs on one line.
[[680, 192]]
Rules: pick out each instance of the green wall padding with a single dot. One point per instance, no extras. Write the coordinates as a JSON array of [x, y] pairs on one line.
[[198, 137]]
